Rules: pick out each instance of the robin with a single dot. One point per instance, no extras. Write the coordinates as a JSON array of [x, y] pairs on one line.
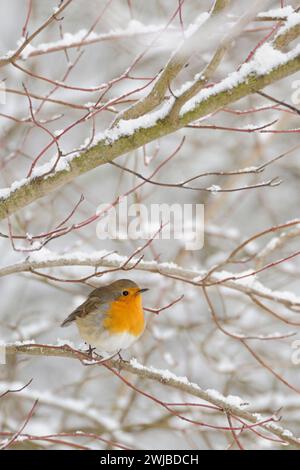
[[112, 317]]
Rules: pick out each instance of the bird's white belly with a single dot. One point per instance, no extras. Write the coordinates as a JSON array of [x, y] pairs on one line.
[[92, 331], [113, 343]]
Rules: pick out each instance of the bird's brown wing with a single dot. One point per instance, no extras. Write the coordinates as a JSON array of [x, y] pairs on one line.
[[93, 301]]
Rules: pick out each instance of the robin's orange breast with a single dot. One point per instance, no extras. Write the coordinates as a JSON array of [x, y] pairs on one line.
[[126, 315]]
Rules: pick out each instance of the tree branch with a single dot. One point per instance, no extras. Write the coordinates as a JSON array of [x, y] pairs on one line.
[[16, 55], [175, 64], [229, 405], [132, 134], [47, 259]]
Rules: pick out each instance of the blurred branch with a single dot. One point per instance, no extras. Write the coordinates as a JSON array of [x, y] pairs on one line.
[[282, 39], [175, 64], [79, 407], [63, 44], [15, 56], [205, 75], [275, 244], [57, 439]]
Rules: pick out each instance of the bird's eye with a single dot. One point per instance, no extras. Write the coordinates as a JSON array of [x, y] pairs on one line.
[[125, 292]]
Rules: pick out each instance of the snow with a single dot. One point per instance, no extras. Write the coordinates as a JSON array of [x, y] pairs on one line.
[[193, 27], [226, 232], [293, 19], [168, 265], [128, 127], [264, 61], [285, 432], [245, 281], [5, 192], [44, 255], [166, 376], [134, 28], [25, 342], [267, 58], [250, 281], [214, 188], [277, 12], [230, 400], [39, 170], [183, 341]]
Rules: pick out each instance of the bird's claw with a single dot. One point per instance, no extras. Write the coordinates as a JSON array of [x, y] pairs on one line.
[[90, 351]]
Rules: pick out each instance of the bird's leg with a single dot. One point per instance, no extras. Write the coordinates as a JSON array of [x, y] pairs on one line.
[[120, 357], [98, 355], [90, 351]]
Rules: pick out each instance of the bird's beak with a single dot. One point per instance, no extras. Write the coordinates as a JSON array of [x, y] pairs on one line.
[[142, 290]]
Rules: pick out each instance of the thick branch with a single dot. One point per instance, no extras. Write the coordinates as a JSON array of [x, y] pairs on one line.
[[175, 64], [120, 140]]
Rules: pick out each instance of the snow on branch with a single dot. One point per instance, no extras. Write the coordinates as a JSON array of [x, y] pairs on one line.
[[84, 38], [11, 56], [130, 135], [249, 285], [267, 65], [275, 14], [230, 405]]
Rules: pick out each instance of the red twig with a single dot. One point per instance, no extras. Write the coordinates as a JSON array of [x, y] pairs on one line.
[[29, 10], [17, 434]]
